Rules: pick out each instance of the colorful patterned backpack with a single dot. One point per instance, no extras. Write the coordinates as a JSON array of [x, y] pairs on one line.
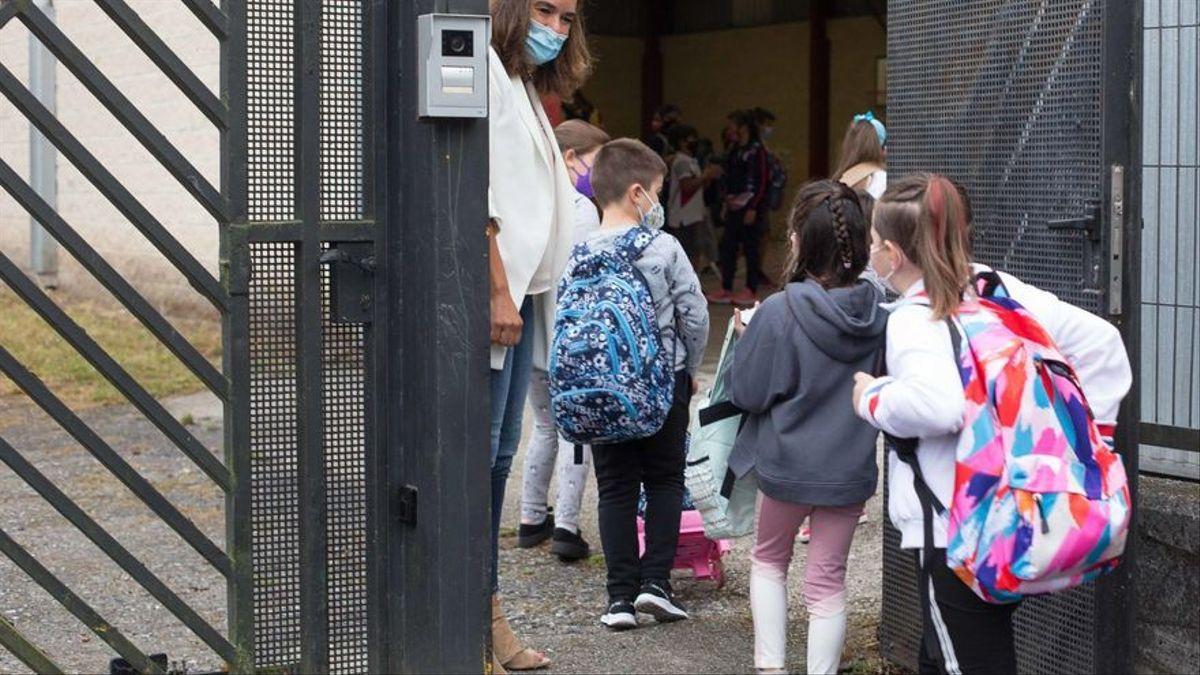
[[610, 378], [1041, 502]]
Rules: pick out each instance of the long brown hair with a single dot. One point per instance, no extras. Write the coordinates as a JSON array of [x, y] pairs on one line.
[[859, 145], [829, 233], [925, 216], [563, 75]]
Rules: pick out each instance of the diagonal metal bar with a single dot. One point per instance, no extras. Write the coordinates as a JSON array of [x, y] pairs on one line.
[[99, 359], [111, 188], [75, 605], [211, 16], [36, 390], [34, 658], [121, 108], [8, 9], [118, 553], [164, 57], [114, 282]]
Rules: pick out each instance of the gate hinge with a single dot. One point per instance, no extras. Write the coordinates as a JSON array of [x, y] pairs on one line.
[[406, 510]]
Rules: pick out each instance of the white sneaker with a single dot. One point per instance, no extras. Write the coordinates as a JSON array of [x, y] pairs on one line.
[[621, 615]]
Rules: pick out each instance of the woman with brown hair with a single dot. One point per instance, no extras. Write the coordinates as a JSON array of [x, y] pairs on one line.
[[864, 155], [538, 47]]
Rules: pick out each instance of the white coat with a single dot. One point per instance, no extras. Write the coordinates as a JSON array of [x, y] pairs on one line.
[[923, 396], [530, 197]]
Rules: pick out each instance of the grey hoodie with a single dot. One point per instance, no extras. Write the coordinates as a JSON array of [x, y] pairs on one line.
[[793, 373]]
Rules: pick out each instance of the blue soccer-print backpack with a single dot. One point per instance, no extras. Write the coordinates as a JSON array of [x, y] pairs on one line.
[[610, 378]]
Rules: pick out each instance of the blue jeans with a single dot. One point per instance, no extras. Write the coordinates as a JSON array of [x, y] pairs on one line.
[[509, 387]]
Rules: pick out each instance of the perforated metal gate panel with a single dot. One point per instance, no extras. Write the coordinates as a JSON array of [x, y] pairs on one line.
[[274, 405], [1004, 96], [343, 345], [275, 322]]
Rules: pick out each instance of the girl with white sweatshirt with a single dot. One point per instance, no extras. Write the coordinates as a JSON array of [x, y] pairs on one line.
[[920, 248]]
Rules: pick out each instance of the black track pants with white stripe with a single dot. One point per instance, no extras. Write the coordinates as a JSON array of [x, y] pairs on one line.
[[962, 633]]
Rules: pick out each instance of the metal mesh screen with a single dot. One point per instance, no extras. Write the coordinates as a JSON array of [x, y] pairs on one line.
[[274, 451], [343, 375], [341, 110], [269, 105], [274, 428], [1004, 96], [344, 414]]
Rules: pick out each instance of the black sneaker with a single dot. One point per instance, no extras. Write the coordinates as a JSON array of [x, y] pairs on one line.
[[569, 546], [621, 615], [657, 600], [529, 536]]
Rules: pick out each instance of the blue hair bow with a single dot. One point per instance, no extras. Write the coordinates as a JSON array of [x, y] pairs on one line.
[[880, 130]]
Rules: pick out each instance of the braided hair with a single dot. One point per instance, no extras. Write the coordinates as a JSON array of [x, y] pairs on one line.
[[829, 233]]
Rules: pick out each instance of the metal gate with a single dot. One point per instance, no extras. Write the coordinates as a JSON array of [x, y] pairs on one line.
[[1029, 104], [358, 323], [353, 298]]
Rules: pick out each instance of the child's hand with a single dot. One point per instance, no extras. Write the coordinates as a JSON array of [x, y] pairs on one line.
[[695, 386], [739, 323], [861, 382]]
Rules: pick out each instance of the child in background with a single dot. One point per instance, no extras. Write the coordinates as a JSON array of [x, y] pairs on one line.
[[579, 142], [687, 210], [921, 250], [627, 178], [791, 374], [863, 164]]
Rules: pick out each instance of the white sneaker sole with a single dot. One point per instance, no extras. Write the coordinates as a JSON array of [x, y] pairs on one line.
[[659, 608], [619, 621]]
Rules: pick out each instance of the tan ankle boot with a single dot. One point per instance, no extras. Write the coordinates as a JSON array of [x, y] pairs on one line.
[[507, 652]]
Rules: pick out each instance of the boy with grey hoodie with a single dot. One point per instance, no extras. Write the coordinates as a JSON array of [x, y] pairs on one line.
[[792, 373]]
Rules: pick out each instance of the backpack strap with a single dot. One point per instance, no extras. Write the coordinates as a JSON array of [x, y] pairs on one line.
[[632, 244], [906, 451], [990, 285], [855, 174]]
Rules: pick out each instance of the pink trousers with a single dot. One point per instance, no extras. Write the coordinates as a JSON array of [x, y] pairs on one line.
[[825, 571]]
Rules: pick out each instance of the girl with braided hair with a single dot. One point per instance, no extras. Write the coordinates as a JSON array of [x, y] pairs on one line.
[[813, 458]]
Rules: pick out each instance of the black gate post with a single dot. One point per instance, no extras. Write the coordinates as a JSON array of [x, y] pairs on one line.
[[1116, 593], [434, 402]]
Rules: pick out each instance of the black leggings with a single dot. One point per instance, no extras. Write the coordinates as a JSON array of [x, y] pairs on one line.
[[962, 633]]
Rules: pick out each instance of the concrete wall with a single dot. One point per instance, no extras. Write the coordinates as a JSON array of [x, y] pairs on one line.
[[616, 86], [1168, 590], [80, 204]]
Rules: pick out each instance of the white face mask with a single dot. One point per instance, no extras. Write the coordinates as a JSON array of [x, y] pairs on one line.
[[885, 280]]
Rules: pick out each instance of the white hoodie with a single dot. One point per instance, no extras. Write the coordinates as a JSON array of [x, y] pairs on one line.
[[922, 397]]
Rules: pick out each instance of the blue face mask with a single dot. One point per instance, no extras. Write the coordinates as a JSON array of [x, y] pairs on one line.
[[654, 217], [542, 43]]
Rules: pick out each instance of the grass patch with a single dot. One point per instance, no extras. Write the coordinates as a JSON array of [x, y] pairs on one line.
[[36, 345]]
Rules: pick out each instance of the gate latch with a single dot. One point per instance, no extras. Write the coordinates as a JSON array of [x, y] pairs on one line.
[[407, 508], [351, 278], [1088, 221]]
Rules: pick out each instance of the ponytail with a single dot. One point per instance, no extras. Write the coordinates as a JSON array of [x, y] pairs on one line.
[[925, 215]]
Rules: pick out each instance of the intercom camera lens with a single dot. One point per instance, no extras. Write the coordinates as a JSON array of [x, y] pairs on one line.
[[458, 43]]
